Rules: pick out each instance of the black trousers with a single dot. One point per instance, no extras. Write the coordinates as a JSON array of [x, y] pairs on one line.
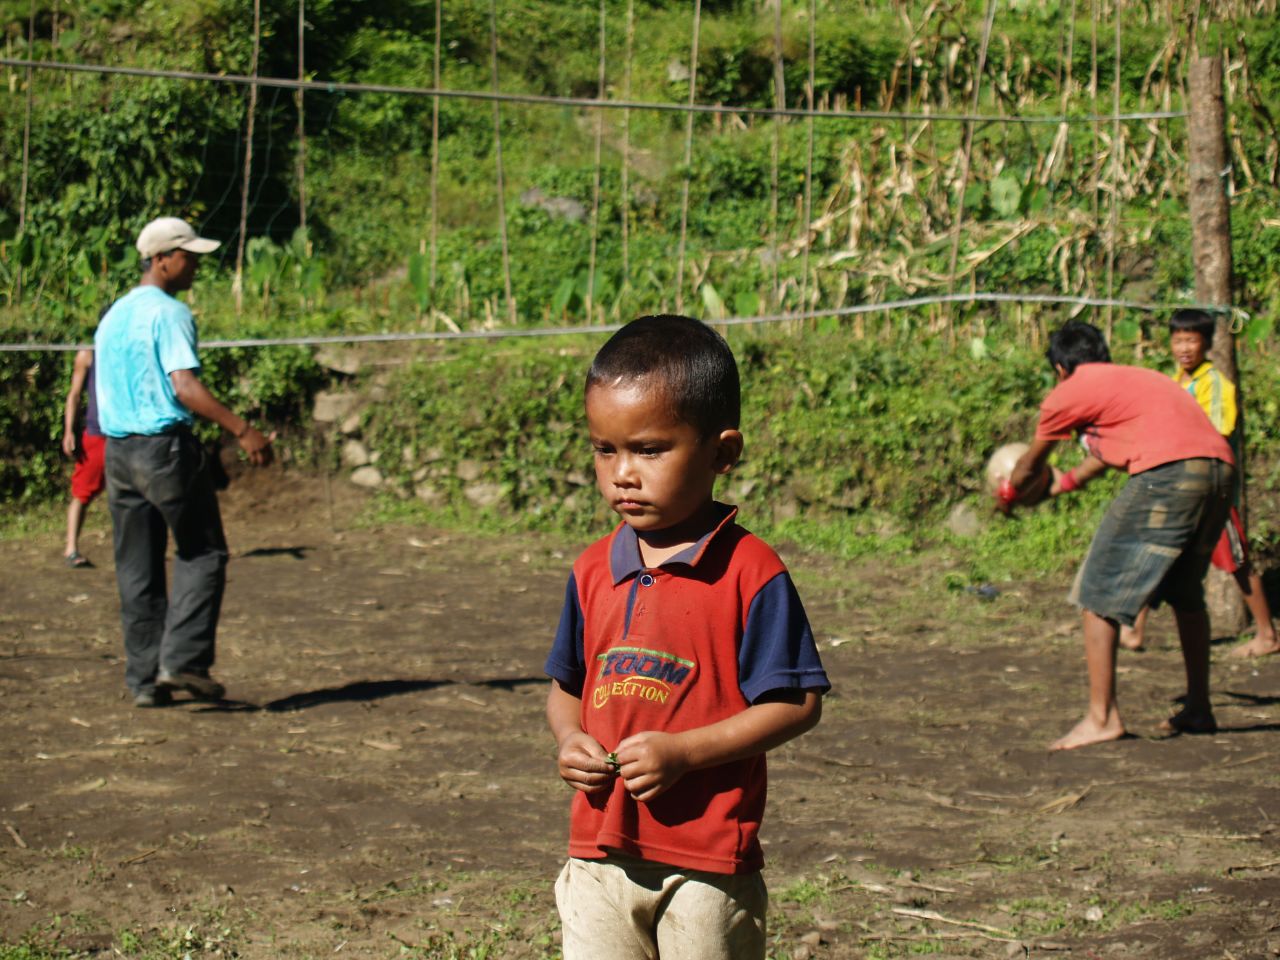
[[156, 486]]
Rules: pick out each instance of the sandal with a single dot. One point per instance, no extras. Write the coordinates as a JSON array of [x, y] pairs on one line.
[[76, 560]]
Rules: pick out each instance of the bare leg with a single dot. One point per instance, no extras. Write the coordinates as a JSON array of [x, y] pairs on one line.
[[1102, 721], [1264, 642], [75, 521], [1196, 715], [1131, 638]]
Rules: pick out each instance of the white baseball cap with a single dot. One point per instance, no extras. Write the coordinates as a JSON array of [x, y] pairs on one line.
[[171, 233]]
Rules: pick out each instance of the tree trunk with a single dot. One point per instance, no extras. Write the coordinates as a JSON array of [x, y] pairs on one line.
[[1210, 209]]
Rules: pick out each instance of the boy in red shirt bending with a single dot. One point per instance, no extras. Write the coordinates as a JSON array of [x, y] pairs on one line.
[[683, 655], [1155, 541]]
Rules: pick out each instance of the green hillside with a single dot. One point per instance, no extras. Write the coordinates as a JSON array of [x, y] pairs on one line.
[[405, 228], [106, 152]]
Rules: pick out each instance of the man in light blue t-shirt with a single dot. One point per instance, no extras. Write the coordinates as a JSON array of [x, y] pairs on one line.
[[158, 477]]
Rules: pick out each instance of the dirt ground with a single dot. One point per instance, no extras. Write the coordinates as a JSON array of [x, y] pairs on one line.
[[381, 783]]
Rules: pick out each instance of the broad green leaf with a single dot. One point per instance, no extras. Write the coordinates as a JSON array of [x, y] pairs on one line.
[[420, 278], [714, 302], [1006, 195], [1259, 328]]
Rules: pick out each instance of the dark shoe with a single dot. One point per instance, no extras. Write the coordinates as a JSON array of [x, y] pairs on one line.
[[76, 560], [199, 685], [155, 697]]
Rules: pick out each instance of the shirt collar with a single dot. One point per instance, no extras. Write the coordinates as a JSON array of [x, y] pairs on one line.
[[624, 551], [1184, 378]]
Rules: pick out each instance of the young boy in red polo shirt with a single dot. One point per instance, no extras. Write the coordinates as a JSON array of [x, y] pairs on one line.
[[683, 655], [1190, 336], [1155, 540]]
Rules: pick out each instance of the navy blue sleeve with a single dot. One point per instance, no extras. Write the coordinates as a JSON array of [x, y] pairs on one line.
[[778, 651], [565, 661]]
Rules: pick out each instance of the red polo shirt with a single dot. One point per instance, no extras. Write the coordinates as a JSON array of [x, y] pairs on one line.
[[674, 648], [1130, 418]]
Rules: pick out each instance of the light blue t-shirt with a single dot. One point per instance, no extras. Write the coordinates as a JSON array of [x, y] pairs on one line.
[[144, 337]]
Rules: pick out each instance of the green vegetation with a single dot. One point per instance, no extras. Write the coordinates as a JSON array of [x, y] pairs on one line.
[[206, 938], [850, 446], [863, 432], [107, 152]]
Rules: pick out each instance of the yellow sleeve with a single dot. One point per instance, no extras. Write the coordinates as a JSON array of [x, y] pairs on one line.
[[1217, 398]]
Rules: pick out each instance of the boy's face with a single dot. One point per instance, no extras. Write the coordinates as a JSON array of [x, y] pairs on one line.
[[1188, 349], [655, 471]]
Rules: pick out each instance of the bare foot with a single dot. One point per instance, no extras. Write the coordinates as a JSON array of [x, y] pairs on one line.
[[1259, 646], [1088, 732], [1191, 721], [1130, 638]]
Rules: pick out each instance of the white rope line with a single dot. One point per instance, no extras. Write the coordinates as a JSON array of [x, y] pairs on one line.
[[326, 86], [912, 302]]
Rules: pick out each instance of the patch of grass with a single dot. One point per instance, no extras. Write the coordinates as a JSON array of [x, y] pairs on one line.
[[1117, 914], [803, 892], [179, 943], [893, 949], [208, 935], [494, 942], [34, 519], [397, 889], [72, 851], [1038, 916]]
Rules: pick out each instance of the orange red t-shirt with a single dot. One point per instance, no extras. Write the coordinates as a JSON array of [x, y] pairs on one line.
[[1130, 418]]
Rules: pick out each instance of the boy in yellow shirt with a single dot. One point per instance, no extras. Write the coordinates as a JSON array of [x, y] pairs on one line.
[[1190, 336]]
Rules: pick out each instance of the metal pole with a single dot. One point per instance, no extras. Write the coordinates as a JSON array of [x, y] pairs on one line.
[[590, 299], [626, 150], [302, 126], [966, 152], [435, 155], [688, 156], [808, 159], [26, 144], [1117, 163], [238, 285], [779, 101], [497, 156]]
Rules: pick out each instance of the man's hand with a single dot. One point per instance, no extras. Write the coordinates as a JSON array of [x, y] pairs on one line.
[[583, 763], [69, 445], [651, 763], [257, 445], [195, 396]]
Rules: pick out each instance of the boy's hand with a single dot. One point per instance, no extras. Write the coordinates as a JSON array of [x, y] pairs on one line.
[[1056, 488], [583, 763], [69, 445], [651, 763], [1006, 496]]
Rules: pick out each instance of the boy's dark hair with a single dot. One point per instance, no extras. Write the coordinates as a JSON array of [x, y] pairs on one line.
[[691, 364], [1196, 321], [1077, 342]]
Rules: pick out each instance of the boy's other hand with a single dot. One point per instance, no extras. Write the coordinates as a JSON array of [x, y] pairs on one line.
[[584, 763], [651, 763]]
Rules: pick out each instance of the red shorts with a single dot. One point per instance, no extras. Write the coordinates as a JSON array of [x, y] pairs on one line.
[[87, 480], [1231, 554]]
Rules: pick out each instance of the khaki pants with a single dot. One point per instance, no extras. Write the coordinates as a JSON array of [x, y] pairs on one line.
[[621, 908]]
